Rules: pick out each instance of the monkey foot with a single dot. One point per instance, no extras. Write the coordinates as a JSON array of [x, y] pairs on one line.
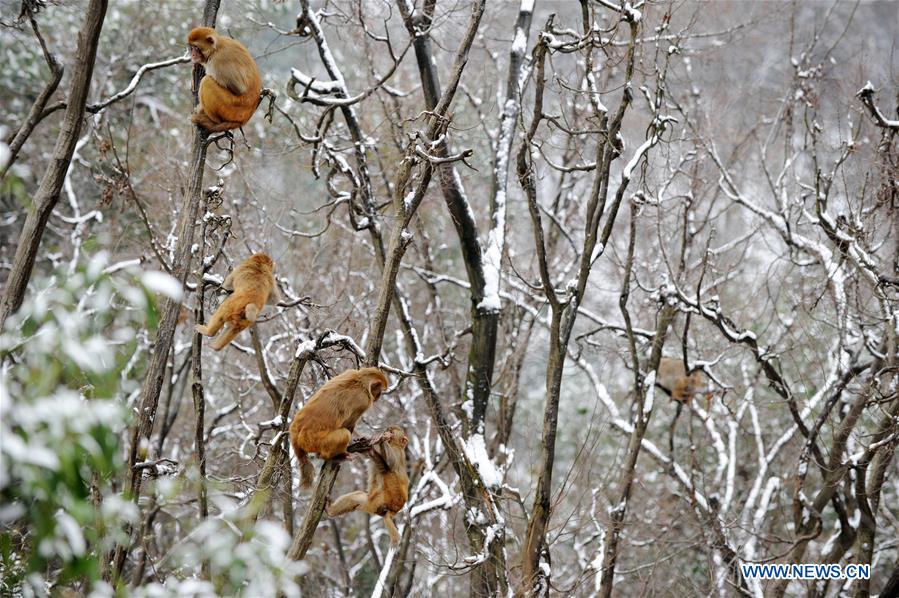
[[359, 445]]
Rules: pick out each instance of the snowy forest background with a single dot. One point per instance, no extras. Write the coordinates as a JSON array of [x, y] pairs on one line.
[[547, 199]]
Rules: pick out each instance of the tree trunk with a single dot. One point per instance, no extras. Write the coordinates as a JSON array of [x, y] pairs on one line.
[[48, 192], [149, 397]]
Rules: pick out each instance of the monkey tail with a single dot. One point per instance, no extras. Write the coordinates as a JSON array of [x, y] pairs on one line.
[[391, 529], [307, 472]]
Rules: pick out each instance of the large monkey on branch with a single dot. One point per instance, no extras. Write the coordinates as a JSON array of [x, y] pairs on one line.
[[229, 92], [325, 423]]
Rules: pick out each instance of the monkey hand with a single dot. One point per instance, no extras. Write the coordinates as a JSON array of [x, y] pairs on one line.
[[385, 436]]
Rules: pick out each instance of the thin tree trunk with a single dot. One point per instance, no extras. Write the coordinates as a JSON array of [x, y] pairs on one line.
[[565, 310], [279, 456], [891, 589], [48, 192], [198, 394], [404, 210], [149, 397], [641, 418]]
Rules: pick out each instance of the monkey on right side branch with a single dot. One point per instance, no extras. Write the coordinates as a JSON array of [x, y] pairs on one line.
[[388, 482], [672, 378]]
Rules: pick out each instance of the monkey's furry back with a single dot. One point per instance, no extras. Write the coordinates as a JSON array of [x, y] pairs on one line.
[[330, 401], [222, 69], [253, 282]]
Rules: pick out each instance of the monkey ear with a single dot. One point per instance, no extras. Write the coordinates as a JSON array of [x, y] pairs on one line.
[[210, 40], [404, 440], [375, 388]]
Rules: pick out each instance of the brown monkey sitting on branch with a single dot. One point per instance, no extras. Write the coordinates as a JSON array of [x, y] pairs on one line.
[[388, 482], [325, 423], [229, 92], [253, 283]]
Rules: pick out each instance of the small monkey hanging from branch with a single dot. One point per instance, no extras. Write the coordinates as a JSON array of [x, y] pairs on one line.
[[388, 482]]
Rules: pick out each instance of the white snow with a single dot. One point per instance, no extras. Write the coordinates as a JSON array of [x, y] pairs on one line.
[[160, 282], [315, 85], [519, 43], [407, 201], [632, 13], [650, 384], [476, 451], [4, 150], [490, 304], [275, 422], [304, 349], [468, 407], [334, 338], [629, 169]]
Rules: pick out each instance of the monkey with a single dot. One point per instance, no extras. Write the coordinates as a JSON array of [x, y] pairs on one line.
[[229, 92], [324, 425], [253, 283], [673, 378], [388, 482]]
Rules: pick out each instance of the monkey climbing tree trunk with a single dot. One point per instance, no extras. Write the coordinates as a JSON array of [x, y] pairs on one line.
[[48, 192], [149, 396]]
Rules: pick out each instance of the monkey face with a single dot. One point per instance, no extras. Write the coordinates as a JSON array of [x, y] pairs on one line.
[[375, 381], [397, 436], [201, 42], [196, 56]]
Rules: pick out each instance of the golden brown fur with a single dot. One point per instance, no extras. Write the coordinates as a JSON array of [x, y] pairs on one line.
[[325, 423], [388, 482], [229, 92], [672, 376], [253, 283]]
